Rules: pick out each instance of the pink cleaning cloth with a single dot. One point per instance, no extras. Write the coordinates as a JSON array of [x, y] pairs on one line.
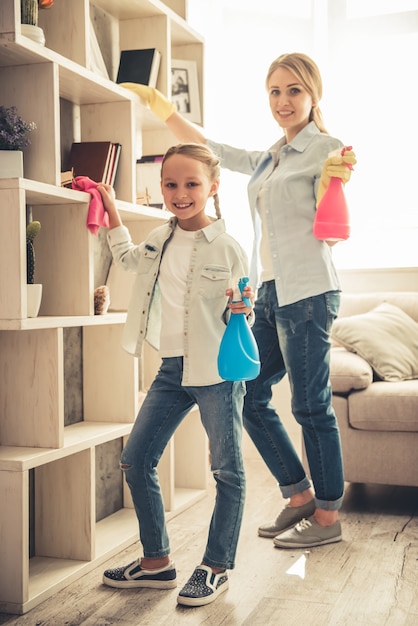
[[96, 216]]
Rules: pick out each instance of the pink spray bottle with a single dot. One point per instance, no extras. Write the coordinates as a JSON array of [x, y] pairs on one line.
[[332, 218]]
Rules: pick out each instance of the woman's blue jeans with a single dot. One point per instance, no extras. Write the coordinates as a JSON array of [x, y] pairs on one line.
[[166, 404], [295, 339]]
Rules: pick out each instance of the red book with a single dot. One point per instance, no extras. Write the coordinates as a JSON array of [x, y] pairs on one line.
[[91, 158]]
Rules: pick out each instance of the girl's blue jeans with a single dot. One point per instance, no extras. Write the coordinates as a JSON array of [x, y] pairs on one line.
[[295, 339], [166, 404]]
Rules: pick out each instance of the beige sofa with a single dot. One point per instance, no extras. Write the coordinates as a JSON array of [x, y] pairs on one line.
[[378, 419]]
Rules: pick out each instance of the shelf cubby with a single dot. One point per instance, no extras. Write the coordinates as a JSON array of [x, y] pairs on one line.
[[69, 393]]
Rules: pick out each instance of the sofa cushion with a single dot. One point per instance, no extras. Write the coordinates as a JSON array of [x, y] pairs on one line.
[[385, 407], [386, 337], [349, 371]]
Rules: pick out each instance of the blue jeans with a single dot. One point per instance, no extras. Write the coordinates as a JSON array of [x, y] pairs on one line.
[[166, 404], [295, 339]]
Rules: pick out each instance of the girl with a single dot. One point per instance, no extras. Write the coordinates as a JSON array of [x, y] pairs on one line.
[[179, 302], [298, 298]]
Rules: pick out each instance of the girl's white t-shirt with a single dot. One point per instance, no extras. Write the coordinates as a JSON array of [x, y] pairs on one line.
[[172, 279]]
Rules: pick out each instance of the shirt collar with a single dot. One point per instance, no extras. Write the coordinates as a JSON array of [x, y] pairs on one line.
[[210, 232], [298, 143]]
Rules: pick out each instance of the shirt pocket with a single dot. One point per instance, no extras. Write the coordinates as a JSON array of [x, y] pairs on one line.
[[148, 258], [214, 281]]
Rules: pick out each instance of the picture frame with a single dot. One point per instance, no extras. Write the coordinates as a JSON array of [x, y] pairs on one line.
[[185, 89]]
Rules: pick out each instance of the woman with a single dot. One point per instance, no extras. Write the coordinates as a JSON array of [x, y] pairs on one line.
[[298, 298]]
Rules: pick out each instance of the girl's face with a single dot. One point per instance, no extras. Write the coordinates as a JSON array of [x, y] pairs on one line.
[[290, 103], [186, 187]]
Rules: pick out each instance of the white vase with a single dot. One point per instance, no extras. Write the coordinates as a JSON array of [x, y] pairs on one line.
[[34, 297], [11, 164], [33, 32]]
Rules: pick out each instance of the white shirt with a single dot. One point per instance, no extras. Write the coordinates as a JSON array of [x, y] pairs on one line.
[[215, 259], [172, 280]]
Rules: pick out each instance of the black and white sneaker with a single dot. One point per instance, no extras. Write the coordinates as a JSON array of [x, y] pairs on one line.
[[203, 587], [132, 575]]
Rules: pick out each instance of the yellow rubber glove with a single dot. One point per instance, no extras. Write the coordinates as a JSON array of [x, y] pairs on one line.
[[159, 105], [337, 165]]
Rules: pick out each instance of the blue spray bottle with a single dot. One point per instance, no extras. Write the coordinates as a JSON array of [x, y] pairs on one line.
[[238, 357]]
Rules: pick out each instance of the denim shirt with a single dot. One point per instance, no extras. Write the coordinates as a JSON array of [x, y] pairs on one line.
[[302, 265], [216, 259]]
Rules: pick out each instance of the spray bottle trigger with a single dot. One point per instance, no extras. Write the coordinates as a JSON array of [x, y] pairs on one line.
[[242, 283]]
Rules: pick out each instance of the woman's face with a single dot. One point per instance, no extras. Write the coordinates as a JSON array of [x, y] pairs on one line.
[[290, 103]]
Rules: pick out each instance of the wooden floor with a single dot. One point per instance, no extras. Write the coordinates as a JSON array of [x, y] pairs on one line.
[[369, 579]]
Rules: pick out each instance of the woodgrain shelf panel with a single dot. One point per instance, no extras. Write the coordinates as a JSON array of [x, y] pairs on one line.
[[77, 437], [70, 102], [62, 321]]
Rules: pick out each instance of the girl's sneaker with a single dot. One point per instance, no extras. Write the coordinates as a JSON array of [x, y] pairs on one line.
[[132, 575], [203, 587]]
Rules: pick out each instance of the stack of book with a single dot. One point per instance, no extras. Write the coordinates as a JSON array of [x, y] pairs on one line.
[[98, 160]]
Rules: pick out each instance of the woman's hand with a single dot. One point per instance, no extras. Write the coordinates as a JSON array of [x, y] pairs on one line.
[[157, 102], [337, 165]]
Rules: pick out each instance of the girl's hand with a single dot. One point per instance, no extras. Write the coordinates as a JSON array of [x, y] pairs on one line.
[[108, 197], [240, 306]]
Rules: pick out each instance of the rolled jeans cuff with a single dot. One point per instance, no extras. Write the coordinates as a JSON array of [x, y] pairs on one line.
[[290, 490], [329, 505]]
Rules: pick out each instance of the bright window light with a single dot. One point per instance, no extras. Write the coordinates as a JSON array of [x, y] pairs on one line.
[[369, 102], [367, 8]]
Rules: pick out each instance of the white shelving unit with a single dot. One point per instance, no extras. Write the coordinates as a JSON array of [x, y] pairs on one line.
[[48, 487]]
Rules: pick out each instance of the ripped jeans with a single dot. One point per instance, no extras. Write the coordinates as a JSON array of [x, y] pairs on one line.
[[165, 406]]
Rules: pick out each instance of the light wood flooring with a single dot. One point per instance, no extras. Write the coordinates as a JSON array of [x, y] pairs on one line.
[[369, 579]]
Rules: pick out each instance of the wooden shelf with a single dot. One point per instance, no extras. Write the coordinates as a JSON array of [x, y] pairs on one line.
[[62, 322], [69, 393], [77, 437], [47, 576]]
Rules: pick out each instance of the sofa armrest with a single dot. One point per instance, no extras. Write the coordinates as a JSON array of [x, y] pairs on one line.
[[348, 371]]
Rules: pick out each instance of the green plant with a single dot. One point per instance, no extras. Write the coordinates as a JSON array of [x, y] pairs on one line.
[[14, 130], [32, 229]]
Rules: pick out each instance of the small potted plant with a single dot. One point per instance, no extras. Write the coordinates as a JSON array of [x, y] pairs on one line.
[[34, 291], [29, 18], [14, 137]]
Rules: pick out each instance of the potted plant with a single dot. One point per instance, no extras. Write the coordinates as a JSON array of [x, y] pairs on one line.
[[14, 137], [34, 291], [29, 18]]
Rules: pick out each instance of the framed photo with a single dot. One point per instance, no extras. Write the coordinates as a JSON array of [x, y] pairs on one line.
[[185, 89]]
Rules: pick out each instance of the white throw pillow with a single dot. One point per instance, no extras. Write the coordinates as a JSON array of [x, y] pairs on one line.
[[386, 337]]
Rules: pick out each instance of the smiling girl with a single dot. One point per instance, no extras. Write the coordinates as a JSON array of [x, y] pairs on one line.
[[179, 303]]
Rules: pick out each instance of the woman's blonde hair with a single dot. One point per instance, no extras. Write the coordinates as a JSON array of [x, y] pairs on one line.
[[307, 73], [201, 152]]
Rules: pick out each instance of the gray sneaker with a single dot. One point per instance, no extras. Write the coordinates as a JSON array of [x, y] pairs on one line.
[[286, 519], [308, 534]]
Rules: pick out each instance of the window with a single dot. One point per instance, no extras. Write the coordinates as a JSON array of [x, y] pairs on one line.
[[367, 51]]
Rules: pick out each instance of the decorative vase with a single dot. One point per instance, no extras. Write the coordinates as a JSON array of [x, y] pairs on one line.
[[11, 164], [29, 21], [34, 297]]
